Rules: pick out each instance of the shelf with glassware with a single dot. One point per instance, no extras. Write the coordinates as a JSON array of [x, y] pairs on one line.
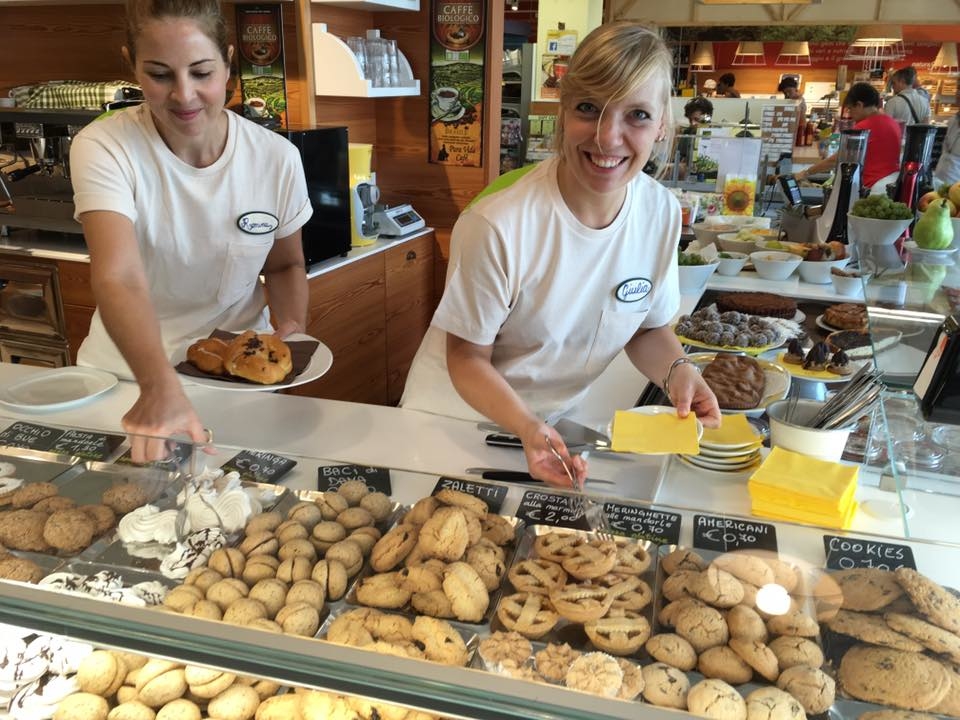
[[338, 72]]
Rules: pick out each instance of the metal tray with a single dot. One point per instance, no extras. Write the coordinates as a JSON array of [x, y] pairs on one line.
[[127, 577], [32, 467]]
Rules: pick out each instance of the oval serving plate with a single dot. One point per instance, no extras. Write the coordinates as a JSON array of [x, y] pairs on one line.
[[776, 388]]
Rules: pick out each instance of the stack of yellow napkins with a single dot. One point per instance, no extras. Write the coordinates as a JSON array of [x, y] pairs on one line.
[[792, 486], [653, 434]]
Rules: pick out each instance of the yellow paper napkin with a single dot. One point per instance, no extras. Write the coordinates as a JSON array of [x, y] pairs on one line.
[[654, 434], [733, 430], [840, 521], [797, 480]]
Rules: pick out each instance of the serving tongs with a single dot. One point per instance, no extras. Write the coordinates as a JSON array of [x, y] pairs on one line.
[[852, 401], [590, 509]]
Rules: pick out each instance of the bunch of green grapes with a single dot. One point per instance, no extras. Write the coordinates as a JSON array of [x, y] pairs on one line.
[[691, 259], [880, 207]]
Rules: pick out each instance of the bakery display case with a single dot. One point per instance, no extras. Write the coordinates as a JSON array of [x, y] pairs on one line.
[[459, 598]]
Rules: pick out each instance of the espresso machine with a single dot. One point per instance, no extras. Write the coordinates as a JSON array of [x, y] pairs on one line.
[[364, 195], [916, 173], [35, 189], [832, 225]]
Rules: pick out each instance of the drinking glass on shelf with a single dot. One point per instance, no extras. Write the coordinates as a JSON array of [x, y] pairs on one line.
[[358, 46]]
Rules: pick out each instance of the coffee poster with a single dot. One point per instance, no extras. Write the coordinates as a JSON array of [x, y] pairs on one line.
[[260, 56], [457, 55]]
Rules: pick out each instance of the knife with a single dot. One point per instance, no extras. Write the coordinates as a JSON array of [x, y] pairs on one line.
[[517, 476], [573, 433]]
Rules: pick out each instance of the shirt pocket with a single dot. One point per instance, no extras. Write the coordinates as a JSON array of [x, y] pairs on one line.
[[241, 270], [614, 330]]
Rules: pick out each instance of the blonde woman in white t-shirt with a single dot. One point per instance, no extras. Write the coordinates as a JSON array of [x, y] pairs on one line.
[[576, 261]]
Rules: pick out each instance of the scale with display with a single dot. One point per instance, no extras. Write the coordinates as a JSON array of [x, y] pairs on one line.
[[398, 221]]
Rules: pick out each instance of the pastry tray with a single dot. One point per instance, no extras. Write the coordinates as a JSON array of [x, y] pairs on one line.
[[127, 576], [33, 466]]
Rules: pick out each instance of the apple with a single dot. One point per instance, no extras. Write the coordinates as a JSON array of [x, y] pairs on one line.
[[954, 194], [926, 199]]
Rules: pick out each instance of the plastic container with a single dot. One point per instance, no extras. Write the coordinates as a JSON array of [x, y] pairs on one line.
[[793, 435]]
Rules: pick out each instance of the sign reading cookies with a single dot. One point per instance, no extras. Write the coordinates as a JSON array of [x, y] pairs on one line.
[[492, 495], [657, 526], [331, 477], [260, 467], [30, 436], [542, 508], [846, 553], [715, 532], [87, 445]]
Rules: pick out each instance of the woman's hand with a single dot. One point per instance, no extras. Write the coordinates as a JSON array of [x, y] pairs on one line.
[[157, 415], [543, 464], [287, 328], [689, 391]]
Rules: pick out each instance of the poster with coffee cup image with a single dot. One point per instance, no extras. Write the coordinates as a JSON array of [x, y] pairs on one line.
[[457, 58], [260, 55], [554, 62]]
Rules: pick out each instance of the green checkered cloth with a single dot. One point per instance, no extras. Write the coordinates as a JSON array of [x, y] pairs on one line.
[[70, 94]]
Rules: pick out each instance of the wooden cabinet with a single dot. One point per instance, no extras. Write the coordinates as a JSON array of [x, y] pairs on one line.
[[372, 314], [78, 303]]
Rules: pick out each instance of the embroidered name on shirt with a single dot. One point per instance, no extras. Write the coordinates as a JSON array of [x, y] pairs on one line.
[[633, 289], [258, 223]]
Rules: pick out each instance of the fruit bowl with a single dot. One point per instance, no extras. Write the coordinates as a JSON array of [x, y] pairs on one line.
[[732, 264], [728, 242], [694, 277], [774, 265], [873, 231], [818, 271]]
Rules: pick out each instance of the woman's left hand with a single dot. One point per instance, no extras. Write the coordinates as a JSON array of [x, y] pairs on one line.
[[689, 391], [287, 328]]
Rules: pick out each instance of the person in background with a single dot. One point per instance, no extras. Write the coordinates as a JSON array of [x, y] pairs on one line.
[[183, 205], [697, 111], [907, 105], [725, 86], [791, 91], [948, 166], [881, 162], [549, 282], [709, 87]]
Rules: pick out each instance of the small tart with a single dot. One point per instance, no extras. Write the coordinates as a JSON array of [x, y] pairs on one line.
[[618, 635], [556, 546], [504, 646], [581, 603], [596, 673], [529, 614], [537, 576], [591, 560], [632, 558]]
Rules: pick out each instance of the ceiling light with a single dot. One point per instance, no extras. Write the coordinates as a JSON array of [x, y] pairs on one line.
[[946, 60], [749, 53], [702, 60], [876, 44], [794, 53]]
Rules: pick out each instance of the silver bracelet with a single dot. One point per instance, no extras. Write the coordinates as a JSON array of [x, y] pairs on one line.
[[673, 366]]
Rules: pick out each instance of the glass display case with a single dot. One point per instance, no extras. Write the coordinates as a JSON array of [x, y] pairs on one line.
[[660, 554]]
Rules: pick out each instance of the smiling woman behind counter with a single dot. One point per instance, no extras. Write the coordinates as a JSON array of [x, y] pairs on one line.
[[163, 191], [548, 282]]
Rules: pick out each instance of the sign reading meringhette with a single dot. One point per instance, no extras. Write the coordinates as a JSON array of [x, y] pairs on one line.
[[657, 526], [846, 553], [262, 467], [715, 532]]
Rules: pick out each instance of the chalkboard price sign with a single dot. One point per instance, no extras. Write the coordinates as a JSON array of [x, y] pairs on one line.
[[87, 445], [177, 453], [713, 532], [30, 436], [541, 508], [657, 526], [261, 467], [330, 477], [492, 495], [845, 553]]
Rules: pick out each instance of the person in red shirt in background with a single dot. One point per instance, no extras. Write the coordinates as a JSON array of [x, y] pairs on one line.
[[881, 164]]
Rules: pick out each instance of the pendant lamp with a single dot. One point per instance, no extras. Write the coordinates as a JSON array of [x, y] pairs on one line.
[[702, 60], [794, 53], [874, 45], [749, 53], [946, 60]]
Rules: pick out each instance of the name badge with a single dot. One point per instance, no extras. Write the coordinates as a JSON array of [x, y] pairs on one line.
[[633, 289], [258, 223]]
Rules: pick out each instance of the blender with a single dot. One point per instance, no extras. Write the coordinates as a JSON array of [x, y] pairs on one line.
[[915, 171], [846, 184], [364, 195]]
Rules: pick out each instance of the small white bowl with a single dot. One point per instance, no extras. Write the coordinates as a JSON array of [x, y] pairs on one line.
[[791, 433], [694, 277], [775, 264], [845, 285], [740, 221], [818, 272], [733, 264], [729, 243], [710, 232]]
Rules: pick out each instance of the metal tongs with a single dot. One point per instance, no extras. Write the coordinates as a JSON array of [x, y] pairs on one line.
[[852, 401], [590, 509]]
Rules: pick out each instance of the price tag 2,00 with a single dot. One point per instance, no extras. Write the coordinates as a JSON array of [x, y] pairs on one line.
[[541, 508]]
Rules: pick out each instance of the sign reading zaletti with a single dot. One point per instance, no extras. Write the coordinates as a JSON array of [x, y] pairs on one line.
[[456, 82]]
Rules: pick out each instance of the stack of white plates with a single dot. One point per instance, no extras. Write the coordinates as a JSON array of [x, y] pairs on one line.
[[722, 457]]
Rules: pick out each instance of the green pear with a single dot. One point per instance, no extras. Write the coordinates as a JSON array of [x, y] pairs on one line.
[[933, 230]]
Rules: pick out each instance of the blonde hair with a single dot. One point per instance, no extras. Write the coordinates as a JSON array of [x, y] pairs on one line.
[[205, 13], [612, 62]]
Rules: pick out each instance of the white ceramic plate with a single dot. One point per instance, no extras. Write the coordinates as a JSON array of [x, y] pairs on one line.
[[57, 389], [827, 326], [710, 452], [920, 253], [696, 462], [714, 464], [320, 362], [776, 388]]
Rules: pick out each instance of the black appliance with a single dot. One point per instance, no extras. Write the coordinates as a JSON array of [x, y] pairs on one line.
[[850, 157], [915, 168], [326, 164]]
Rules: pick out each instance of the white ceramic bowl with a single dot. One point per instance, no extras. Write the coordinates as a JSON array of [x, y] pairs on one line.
[[694, 277], [733, 264], [793, 435], [729, 243], [843, 285], [871, 231], [740, 221], [774, 264], [710, 232], [818, 271]]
